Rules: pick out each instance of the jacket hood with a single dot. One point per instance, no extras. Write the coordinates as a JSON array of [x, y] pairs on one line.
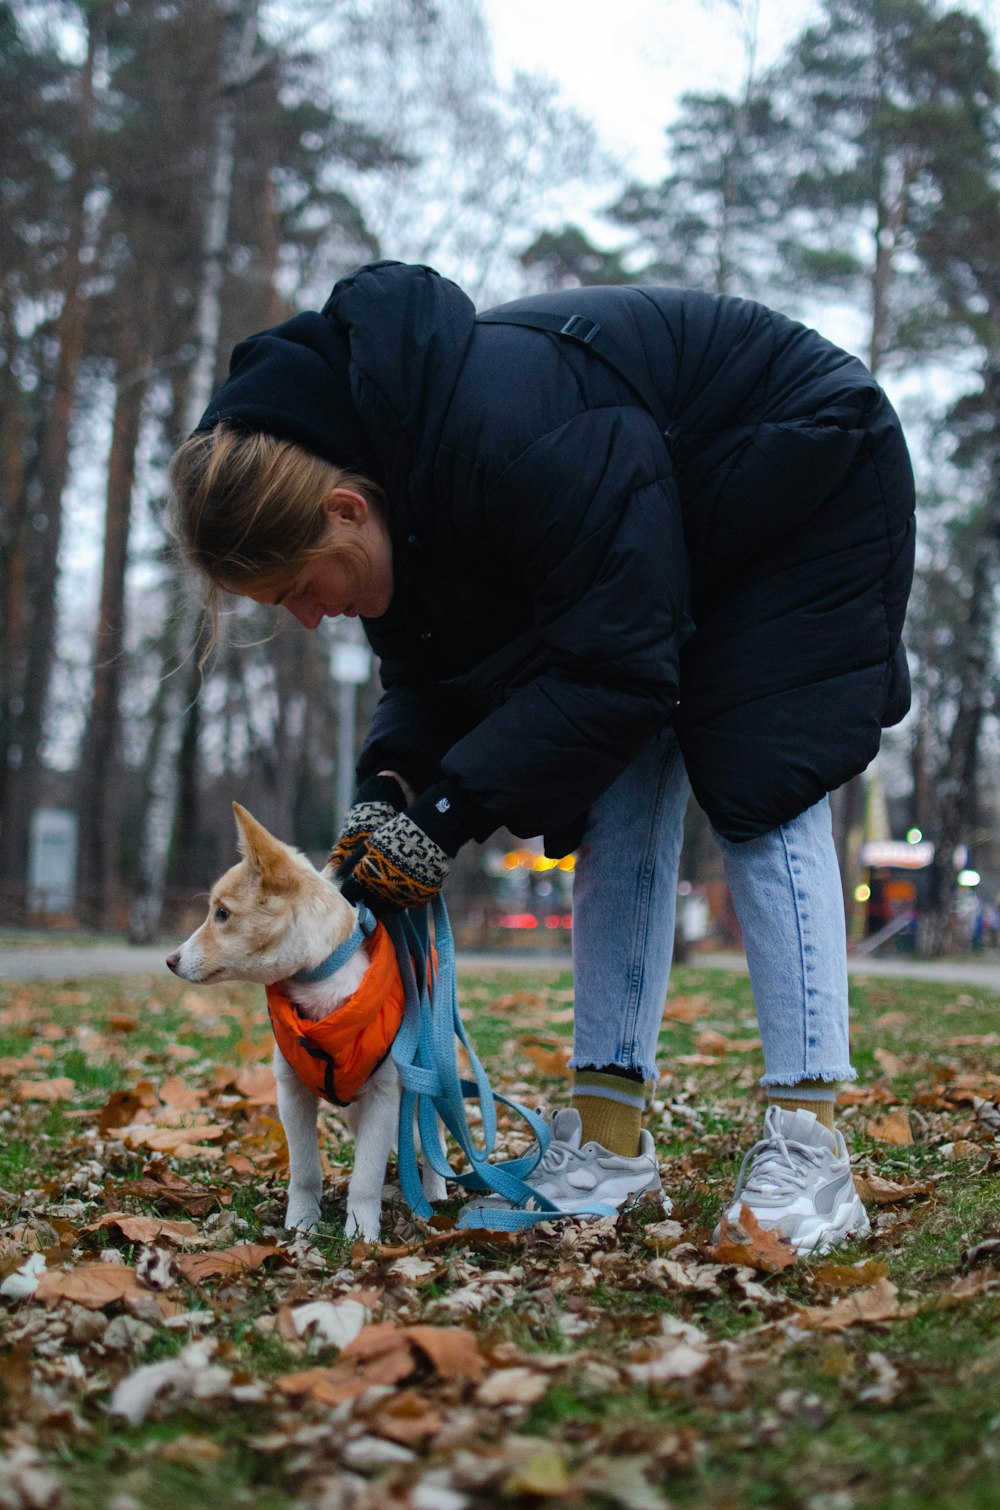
[[365, 383]]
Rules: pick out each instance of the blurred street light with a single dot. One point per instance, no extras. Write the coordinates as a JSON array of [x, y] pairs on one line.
[[350, 663]]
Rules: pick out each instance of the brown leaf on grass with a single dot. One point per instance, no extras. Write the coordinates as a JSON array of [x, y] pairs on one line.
[[964, 1148], [512, 1386], [121, 1022], [515, 1001], [847, 1276], [93, 1286], [182, 1141], [119, 1110], [890, 1063], [453, 1352], [364, 1251], [176, 1091], [875, 1191], [227, 1262], [686, 1008], [746, 1242], [711, 1042], [146, 1229], [965, 1287], [879, 1302], [550, 1055], [161, 1186], [256, 1084], [406, 1417], [893, 1128], [59, 1089], [386, 1354]]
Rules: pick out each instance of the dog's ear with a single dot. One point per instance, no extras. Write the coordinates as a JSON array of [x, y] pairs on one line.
[[267, 855]]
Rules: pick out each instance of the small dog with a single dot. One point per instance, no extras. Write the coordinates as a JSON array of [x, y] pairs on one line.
[[271, 917]]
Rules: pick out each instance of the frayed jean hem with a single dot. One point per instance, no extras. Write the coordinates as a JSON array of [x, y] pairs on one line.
[[845, 1072], [647, 1070]]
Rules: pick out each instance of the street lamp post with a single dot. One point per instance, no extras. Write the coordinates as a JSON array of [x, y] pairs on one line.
[[350, 662]]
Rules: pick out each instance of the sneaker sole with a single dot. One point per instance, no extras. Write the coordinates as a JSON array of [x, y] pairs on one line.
[[849, 1220], [576, 1208]]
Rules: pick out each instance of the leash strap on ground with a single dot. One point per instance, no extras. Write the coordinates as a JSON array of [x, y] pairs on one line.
[[426, 1057]]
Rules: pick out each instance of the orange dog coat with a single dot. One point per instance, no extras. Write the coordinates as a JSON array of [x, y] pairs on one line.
[[337, 1054]]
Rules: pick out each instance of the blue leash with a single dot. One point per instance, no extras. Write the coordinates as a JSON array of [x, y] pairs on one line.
[[425, 1055]]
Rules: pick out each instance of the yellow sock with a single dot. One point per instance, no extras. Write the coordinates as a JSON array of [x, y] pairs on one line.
[[817, 1096], [610, 1107]]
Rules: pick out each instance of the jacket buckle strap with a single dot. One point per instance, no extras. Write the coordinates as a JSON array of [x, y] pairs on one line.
[[329, 1088], [580, 328]]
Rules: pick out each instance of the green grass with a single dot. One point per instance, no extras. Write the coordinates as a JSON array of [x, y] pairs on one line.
[[788, 1426]]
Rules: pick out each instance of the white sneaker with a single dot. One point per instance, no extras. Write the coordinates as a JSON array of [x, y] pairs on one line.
[[797, 1181], [573, 1178]]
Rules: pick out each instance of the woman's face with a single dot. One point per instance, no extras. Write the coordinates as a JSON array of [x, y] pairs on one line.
[[328, 587]]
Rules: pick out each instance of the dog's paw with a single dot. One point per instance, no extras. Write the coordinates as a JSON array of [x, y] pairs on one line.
[[433, 1184], [302, 1213], [364, 1220]]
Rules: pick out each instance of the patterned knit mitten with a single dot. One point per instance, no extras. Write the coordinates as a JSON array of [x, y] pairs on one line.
[[378, 799], [400, 867]]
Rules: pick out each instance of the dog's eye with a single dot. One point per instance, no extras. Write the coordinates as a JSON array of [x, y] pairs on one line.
[[221, 914]]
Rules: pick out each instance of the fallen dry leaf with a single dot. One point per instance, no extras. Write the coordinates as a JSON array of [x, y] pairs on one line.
[[330, 1323], [746, 1242], [176, 1091], [550, 1055], [181, 1141], [875, 1191], [880, 1302], [711, 1042], [512, 1386], [120, 1109], [543, 1475], [93, 1286], [890, 1063], [453, 1352], [146, 1229], [387, 1354], [406, 1417], [848, 1276], [161, 1186], [190, 1374], [686, 1008], [893, 1128], [227, 1262], [59, 1089], [965, 1287]]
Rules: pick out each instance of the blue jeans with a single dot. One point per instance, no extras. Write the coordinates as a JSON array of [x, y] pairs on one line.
[[786, 889]]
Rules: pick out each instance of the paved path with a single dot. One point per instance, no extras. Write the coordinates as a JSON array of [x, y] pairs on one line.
[[65, 962]]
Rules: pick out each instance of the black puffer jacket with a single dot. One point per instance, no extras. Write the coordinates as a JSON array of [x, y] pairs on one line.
[[556, 543]]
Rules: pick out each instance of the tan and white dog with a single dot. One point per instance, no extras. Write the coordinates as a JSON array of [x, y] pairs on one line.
[[270, 917]]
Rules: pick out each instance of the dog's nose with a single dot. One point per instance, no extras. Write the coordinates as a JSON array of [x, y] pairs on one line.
[[173, 960]]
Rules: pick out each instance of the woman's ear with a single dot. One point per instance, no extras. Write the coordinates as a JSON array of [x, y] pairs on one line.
[[345, 505]]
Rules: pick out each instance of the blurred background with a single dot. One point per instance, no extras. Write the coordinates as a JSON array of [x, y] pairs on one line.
[[177, 173]]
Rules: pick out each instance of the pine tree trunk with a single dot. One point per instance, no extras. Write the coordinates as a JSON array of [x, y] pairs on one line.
[[98, 790], [13, 526], [238, 39], [37, 632]]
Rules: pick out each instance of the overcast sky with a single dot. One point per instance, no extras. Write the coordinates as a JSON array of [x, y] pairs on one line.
[[625, 64]]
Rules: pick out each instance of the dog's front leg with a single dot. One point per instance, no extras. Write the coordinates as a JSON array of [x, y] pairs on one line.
[[374, 1120], [297, 1106], [432, 1183]]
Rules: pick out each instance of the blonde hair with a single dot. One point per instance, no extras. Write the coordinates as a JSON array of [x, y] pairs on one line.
[[246, 511]]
